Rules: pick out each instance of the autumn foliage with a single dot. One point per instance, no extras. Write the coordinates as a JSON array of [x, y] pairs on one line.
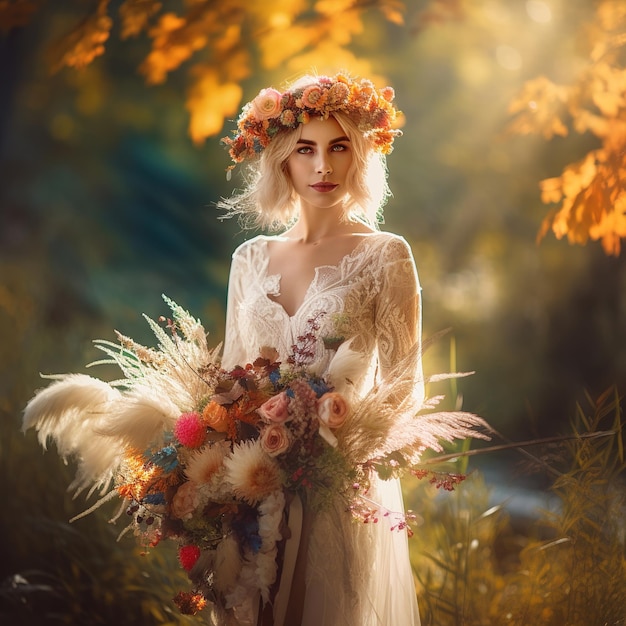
[[220, 44], [590, 193]]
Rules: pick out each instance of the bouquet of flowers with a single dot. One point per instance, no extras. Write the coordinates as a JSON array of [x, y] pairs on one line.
[[211, 458]]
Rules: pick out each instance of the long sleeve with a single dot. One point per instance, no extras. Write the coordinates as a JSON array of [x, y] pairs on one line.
[[234, 351], [399, 317]]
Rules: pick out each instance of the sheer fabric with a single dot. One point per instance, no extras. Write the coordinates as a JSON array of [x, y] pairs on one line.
[[356, 574]]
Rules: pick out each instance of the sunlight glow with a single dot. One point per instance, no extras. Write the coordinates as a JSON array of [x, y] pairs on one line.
[[280, 20], [539, 11], [508, 57]]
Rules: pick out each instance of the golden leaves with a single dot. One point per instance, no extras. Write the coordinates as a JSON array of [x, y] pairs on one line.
[[324, 36], [209, 102], [279, 44], [591, 193], [85, 42], [607, 86], [539, 109], [174, 40], [223, 42], [135, 16]]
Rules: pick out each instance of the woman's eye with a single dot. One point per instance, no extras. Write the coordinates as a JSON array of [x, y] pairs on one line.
[[338, 147], [305, 150]]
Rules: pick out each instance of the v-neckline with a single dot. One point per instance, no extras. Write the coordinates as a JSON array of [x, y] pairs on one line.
[[316, 271]]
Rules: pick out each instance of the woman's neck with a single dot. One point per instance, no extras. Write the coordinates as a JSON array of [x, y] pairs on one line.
[[317, 224]]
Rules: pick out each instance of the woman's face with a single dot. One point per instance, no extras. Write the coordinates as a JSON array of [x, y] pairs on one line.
[[319, 164]]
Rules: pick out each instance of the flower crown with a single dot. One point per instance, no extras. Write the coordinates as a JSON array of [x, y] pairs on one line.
[[272, 112]]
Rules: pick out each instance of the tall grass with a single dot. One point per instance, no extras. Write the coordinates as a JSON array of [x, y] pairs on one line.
[[473, 569]]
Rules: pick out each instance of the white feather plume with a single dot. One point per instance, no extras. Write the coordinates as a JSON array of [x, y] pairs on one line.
[[95, 422], [72, 411], [140, 416], [347, 366]]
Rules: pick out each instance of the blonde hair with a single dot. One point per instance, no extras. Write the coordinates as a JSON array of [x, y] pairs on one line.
[[269, 201]]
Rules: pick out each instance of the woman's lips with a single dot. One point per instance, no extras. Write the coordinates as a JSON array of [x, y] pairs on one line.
[[324, 187]]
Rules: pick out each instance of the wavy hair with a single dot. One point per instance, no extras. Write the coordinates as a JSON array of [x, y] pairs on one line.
[[269, 201]]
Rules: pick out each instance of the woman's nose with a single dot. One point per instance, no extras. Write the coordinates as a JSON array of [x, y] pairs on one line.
[[323, 165]]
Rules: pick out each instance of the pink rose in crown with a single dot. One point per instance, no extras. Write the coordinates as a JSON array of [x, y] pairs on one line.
[[332, 409], [275, 439], [267, 104], [276, 409]]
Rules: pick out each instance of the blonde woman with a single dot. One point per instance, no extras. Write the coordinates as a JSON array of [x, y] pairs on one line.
[[317, 176]]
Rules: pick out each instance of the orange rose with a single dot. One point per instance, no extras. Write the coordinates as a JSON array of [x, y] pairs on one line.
[[332, 409], [216, 417]]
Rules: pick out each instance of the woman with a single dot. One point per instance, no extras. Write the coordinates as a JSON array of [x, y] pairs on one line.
[[317, 172]]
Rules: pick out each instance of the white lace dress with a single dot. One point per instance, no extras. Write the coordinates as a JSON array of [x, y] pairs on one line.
[[356, 574]]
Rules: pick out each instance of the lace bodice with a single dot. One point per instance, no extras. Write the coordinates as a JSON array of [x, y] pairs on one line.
[[371, 296]]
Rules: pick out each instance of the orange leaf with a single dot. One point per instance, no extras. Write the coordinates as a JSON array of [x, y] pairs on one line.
[[209, 102], [587, 121], [83, 44], [135, 15], [579, 175], [538, 109], [278, 45], [551, 190], [175, 39], [607, 85], [340, 27], [610, 231], [546, 224]]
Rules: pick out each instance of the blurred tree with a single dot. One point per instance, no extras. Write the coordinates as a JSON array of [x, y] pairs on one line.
[[591, 191], [223, 42], [220, 44]]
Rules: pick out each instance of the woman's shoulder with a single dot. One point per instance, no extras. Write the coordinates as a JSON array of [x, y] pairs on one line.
[[251, 246], [392, 243]]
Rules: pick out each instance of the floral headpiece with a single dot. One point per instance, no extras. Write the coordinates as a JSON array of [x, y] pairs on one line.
[[272, 112]]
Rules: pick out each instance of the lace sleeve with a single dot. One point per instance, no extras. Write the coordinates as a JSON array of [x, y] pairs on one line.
[[234, 350], [399, 316]]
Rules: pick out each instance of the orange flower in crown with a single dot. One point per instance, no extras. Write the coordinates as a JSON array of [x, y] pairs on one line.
[[272, 112]]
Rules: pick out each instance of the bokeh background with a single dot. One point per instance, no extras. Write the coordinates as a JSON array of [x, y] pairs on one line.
[[106, 202]]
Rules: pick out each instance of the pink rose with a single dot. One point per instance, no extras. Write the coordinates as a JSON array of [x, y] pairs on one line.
[[332, 409], [275, 439], [185, 500], [275, 409], [267, 104]]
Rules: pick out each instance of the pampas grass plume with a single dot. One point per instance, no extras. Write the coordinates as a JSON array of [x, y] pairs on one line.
[[140, 418], [72, 411]]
